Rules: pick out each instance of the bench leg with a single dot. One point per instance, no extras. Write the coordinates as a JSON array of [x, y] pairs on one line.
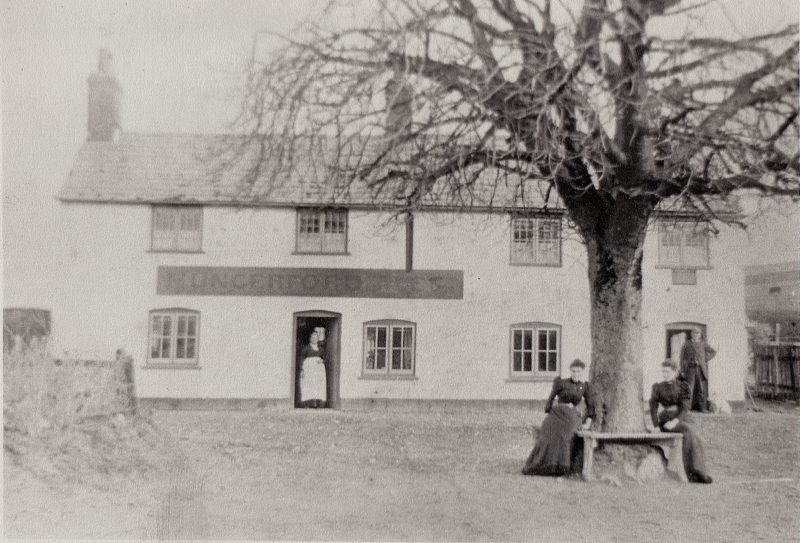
[[588, 457], [675, 460]]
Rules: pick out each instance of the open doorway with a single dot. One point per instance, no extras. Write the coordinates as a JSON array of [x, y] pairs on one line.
[[676, 334], [327, 325]]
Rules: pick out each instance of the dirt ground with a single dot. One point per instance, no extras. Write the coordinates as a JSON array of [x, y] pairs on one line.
[[378, 475]]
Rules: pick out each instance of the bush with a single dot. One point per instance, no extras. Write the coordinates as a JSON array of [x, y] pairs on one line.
[[25, 388], [75, 419], [41, 392]]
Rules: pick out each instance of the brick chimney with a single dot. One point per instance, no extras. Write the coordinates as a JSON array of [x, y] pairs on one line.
[[399, 106], [104, 101]]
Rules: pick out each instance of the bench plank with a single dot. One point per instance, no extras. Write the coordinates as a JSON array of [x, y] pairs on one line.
[[629, 435], [674, 459]]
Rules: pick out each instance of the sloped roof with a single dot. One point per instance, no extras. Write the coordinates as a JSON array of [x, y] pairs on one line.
[[188, 168], [197, 169]]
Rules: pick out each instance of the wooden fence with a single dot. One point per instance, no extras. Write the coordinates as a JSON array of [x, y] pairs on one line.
[[777, 370]]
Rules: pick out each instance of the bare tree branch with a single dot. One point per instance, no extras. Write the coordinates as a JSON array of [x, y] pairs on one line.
[[495, 86]]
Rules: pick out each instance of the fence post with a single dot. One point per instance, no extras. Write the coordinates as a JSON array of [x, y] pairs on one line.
[[776, 372], [795, 365], [791, 359]]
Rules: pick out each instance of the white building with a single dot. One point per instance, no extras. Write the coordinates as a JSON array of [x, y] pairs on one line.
[[214, 295], [772, 295]]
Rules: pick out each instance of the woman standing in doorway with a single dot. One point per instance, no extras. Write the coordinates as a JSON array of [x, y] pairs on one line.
[[312, 373], [555, 448]]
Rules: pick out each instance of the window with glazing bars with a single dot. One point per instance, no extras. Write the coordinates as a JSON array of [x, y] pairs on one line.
[[174, 335], [322, 231], [683, 245], [536, 241], [389, 348], [177, 228], [534, 350]]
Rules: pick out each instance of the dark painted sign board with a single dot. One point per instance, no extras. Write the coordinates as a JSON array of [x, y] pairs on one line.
[[317, 282]]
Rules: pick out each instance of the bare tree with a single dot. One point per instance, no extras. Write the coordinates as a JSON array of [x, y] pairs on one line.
[[592, 105]]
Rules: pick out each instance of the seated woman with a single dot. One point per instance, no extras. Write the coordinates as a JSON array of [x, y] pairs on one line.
[[674, 397], [555, 448]]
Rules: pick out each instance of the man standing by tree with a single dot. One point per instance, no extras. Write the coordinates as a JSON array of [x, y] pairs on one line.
[[695, 355]]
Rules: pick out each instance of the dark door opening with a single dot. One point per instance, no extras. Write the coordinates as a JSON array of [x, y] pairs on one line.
[[328, 325], [677, 334]]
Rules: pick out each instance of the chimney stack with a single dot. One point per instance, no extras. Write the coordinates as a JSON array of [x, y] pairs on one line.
[[399, 106], [104, 101]]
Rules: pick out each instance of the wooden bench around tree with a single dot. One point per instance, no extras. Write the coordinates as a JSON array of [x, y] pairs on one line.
[[673, 440]]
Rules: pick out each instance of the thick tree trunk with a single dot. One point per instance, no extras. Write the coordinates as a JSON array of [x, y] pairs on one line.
[[614, 229], [615, 277]]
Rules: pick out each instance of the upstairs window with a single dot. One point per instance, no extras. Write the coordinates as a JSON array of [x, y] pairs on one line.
[[174, 335], [535, 350], [322, 231], [535, 241], [177, 228], [683, 245], [389, 348]]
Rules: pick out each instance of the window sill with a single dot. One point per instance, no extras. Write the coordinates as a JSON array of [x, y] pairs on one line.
[[320, 253], [534, 379], [168, 251], [388, 377], [534, 265], [170, 367], [666, 267]]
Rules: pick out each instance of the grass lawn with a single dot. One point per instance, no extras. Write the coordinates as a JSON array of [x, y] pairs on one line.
[[419, 475]]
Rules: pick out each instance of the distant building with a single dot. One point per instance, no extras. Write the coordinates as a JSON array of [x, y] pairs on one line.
[[214, 294], [772, 296]]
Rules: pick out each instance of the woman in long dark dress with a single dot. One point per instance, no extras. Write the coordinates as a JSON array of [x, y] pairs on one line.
[[674, 397], [555, 447]]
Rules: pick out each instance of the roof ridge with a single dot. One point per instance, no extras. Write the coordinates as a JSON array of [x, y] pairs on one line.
[[171, 134]]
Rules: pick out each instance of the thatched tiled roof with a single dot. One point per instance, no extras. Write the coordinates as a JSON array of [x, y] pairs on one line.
[[190, 168], [185, 168]]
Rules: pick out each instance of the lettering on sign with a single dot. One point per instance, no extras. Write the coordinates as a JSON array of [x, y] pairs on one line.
[[320, 282]]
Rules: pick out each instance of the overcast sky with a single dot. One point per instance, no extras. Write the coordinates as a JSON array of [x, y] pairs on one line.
[[178, 63]]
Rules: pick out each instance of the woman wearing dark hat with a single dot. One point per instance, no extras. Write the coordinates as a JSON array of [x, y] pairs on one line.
[[674, 397], [555, 448]]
